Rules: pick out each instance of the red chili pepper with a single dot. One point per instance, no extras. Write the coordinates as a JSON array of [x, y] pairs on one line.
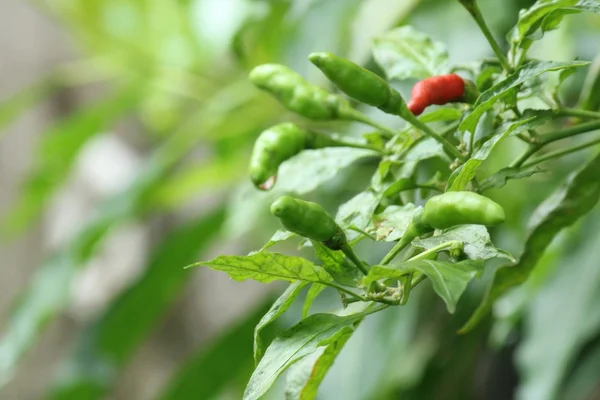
[[438, 90]]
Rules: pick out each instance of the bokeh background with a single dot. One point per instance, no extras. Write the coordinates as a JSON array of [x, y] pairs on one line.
[[126, 129]]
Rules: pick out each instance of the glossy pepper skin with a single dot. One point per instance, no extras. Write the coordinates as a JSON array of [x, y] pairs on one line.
[[305, 218], [274, 146], [440, 90], [296, 94], [461, 208], [358, 82]]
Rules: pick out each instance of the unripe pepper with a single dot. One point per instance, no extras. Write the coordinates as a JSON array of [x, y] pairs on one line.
[[358, 82], [440, 90], [296, 94], [461, 208], [308, 219], [278, 144], [274, 146]]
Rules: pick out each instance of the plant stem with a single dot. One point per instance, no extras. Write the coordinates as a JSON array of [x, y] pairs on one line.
[[434, 250], [473, 8], [346, 291], [553, 137], [560, 153], [357, 116], [410, 118], [574, 112], [347, 250], [398, 247]]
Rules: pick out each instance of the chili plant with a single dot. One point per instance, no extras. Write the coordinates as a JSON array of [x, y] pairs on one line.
[[442, 238]]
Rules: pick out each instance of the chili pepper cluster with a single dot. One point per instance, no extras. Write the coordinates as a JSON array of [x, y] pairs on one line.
[[281, 142]]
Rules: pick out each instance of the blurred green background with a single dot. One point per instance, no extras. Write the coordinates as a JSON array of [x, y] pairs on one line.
[[127, 126]]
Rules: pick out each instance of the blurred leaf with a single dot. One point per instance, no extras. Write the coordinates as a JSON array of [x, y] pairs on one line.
[[475, 239], [335, 263], [305, 376], [47, 293], [12, 107], [502, 90], [267, 267], [107, 343], [573, 295], [295, 343], [208, 371], [281, 305], [461, 177], [583, 382], [313, 292], [449, 279], [58, 150], [311, 168], [500, 178], [544, 15], [575, 198], [391, 224], [407, 53]]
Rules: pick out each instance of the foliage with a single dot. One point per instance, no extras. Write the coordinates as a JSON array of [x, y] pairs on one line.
[[380, 303]]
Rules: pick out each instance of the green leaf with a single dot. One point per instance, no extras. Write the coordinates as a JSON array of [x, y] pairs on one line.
[[212, 368], [551, 345], [461, 177], [357, 212], [336, 264], [281, 235], [295, 343], [442, 114], [477, 244], [281, 305], [449, 279], [502, 90], [305, 376], [268, 267], [391, 224], [407, 53], [313, 292], [500, 178], [544, 15], [58, 150], [311, 168], [575, 198], [422, 150]]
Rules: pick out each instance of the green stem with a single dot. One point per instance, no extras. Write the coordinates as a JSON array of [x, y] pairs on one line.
[[574, 112], [410, 118], [402, 243], [553, 137], [560, 153], [347, 250], [473, 8], [434, 250], [346, 291], [357, 116]]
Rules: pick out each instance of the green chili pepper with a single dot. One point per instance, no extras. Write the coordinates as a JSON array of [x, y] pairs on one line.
[[308, 219], [357, 82], [461, 208], [274, 146], [296, 94]]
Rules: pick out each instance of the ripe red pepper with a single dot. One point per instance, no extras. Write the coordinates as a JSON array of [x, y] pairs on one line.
[[440, 90]]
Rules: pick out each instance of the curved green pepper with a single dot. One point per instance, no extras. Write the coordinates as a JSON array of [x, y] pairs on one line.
[[352, 79], [274, 146], [461, 208], [296, 94], [308, 219]]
